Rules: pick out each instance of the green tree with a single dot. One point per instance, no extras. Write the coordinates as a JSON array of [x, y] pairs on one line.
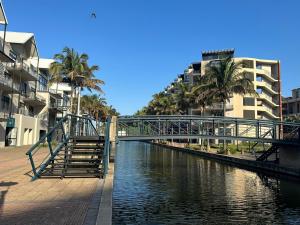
[[70, 66], [224, 78]]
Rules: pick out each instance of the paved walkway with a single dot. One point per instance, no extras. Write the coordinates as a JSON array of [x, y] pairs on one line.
[[44, 201]]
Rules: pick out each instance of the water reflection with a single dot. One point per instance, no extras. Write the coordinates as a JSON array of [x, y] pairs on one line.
[[154, 185]]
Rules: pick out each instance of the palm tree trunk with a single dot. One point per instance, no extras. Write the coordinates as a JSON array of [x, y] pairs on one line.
[[224, 108], [71, 103]]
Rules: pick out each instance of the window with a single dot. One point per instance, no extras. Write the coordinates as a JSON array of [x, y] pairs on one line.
[[249, 76], [30, 111], [248, 64], [291, 109], [248, 101], [43, 83], [298, 107], [249, 114], [23, 88], [5, 102]]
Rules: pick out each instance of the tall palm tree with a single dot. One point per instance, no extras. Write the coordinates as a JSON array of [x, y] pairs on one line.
[[69, 66], [183, 97], [225, 78]]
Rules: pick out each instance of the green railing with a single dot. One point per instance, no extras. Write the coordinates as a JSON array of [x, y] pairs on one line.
[[42, 153], [194, 127]]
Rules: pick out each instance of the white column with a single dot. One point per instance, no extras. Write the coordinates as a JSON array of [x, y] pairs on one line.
[[78, 101]]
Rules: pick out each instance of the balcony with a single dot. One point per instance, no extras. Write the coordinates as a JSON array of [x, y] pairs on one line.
[[219, 106], [7, 85], [268, 99], [267, 74], [6, 53], [265, 109], [270, 88], [24, 69], [55, 94], [34, 99]]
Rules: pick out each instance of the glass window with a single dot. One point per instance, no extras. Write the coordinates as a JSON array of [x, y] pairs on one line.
[[43, 83], [249, 114], [5, 102], [248, 101]]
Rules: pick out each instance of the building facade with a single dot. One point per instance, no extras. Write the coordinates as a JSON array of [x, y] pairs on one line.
[[291, 105], [265, 75]]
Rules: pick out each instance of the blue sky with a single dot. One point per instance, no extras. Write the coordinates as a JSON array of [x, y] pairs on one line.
[[141, 45]]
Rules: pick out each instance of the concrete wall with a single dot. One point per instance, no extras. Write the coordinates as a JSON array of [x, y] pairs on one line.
[[28, 129], [289, 156]]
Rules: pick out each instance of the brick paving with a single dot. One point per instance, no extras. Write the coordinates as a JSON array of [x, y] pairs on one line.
[[44, 201]]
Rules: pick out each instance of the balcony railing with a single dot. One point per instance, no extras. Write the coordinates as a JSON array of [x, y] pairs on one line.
[[23, 66], [7, 50], [219, 106], [34, 97], [8, 82]]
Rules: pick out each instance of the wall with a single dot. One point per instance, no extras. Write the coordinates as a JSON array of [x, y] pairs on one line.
[[289, 156]]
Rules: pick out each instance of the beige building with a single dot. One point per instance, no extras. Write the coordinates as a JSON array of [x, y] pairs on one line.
[[291, 105], [265, 75]]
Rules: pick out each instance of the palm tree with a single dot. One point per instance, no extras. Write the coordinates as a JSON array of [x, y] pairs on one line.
[[182, 97], [225, 78], [69, 66]]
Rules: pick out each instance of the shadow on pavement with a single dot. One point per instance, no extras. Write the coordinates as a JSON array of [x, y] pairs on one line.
[[6, 185]]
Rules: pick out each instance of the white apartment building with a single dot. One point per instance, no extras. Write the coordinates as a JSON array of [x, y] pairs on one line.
[[265, 75], [291, 105]]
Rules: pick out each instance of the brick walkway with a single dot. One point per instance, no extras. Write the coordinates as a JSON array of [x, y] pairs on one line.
[[44, 201]]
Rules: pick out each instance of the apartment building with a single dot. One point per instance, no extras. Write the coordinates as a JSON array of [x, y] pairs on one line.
[[265, 75], [291, 105]]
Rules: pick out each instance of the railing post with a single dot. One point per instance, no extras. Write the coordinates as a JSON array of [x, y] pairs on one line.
[[213, 127], [257, 129], [32, 165], [49, 140], [236, 128]]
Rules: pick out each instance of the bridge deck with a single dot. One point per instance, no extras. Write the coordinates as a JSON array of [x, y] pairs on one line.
[[195, 127]]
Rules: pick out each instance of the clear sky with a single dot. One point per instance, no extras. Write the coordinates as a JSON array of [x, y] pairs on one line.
[[141, 45]]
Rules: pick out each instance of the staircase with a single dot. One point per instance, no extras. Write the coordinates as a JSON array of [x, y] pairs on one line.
[[81, 157], [273, 149], [82, 151]]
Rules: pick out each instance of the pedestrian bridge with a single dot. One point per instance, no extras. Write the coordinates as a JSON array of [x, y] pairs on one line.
[[197, 127]]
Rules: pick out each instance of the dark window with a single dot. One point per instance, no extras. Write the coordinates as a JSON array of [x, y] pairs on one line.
[[23, 88], [248, 101], [5, 102], [43, 83], [249, 114], [30, 111], [291, 108], [250, 76], [248, 64]]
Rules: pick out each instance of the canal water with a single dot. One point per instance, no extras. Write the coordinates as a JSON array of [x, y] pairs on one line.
[[155, 185]]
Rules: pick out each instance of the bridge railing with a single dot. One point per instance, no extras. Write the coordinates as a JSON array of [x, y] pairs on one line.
[[189, 127], [43, 152]]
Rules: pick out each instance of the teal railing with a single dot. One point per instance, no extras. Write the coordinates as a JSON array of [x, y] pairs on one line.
[[42, 153]]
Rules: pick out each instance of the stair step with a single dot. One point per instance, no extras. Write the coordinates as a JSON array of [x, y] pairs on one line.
[[90, 175], [87, 147], [91, 139]]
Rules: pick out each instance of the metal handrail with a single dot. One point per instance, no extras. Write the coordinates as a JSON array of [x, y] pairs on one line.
[[65, 136], [156, 117], [129, 128]]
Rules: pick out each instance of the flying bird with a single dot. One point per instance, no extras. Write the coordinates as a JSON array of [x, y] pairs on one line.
[[93, 15]]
